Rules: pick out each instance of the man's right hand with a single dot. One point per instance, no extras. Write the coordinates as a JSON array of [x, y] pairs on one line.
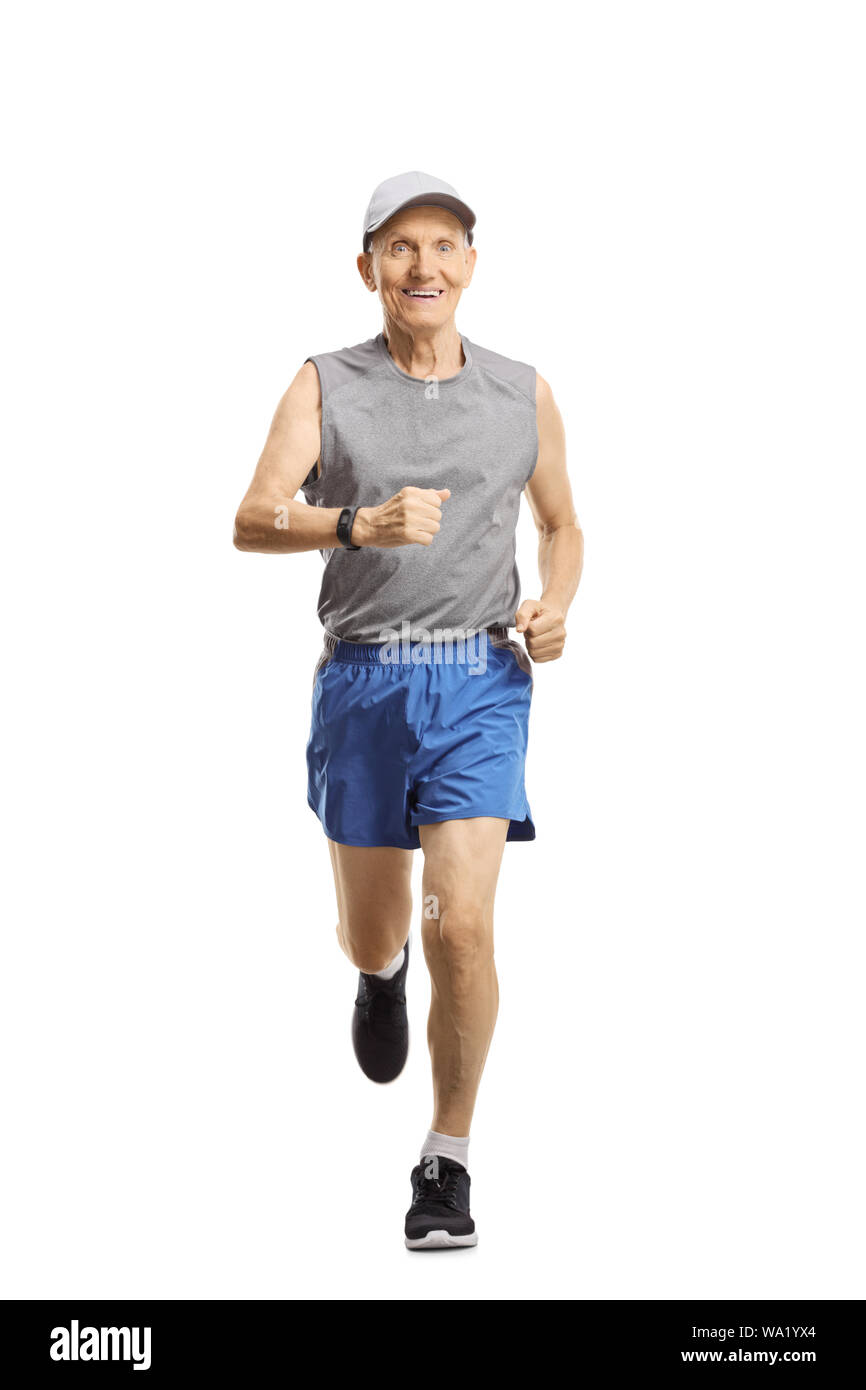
[[411, 517]]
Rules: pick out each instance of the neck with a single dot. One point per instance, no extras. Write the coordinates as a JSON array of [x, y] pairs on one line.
[[438, 352]]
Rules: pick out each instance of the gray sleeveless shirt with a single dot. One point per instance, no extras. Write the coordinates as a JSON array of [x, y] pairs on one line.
[[474, 433]]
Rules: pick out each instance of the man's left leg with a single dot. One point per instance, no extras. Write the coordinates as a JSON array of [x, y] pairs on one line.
[[461, 868]]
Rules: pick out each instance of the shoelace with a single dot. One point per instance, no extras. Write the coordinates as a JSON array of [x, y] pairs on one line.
[[383, 1017], [365, 998], [442, 1190]]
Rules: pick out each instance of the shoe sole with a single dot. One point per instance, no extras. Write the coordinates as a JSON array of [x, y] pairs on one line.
[[441, 1240]]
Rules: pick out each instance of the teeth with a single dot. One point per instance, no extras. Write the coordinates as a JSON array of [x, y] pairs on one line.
[[424, 294]]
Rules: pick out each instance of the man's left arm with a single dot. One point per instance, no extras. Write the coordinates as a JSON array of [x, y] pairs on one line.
[[560, 546]]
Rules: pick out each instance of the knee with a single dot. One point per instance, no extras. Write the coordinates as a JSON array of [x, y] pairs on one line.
[[371, 961], [371, 950], [460, 940]]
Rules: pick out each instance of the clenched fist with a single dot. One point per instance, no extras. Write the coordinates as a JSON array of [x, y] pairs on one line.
[[411, 517], [543, 627]]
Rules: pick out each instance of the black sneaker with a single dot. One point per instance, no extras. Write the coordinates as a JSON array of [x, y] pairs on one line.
[[438, 1218], [380, 1024]]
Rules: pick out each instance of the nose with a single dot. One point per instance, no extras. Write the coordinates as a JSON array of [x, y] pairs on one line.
[[422, 264]]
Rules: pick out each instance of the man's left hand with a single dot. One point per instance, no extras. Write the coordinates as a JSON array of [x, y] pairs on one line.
[[543, 627]]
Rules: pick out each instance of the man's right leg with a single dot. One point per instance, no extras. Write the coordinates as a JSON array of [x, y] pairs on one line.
[[374, 901]]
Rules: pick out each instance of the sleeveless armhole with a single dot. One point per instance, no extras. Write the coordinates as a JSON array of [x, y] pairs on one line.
[[315, 472], [524, 378], [533, 385], [337, 369], [519, 375]]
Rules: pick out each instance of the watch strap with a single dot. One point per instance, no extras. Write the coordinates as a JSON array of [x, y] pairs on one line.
[[344, 528]]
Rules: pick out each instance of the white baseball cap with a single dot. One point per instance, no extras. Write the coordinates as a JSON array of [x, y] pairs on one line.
[[414, 190]]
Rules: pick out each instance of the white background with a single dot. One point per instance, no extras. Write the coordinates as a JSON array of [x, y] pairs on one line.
[[671, 228]]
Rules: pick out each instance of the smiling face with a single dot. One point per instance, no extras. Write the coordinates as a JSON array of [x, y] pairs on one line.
[[419, 266]]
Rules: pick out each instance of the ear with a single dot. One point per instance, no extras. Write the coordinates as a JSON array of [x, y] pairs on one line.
[[365, 270], [471, 258]]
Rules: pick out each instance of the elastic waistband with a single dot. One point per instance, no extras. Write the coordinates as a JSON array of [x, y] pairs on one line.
[[398, 652]]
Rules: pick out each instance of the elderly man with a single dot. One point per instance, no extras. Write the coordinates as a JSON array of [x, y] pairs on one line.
[[412, 450]]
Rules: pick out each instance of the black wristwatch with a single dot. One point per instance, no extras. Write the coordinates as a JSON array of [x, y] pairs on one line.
[[344, 528]]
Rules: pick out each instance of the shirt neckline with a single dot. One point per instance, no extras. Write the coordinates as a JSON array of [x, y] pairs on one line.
[[421, 381]]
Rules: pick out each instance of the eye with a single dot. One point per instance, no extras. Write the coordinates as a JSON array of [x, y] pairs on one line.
[[399, 246], [445, 246]]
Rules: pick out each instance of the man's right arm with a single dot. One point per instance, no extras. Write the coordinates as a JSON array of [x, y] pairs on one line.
[[270, 521]]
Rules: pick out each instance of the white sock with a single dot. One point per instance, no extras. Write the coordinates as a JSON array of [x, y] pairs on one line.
[[446, 1146], [390, 970]]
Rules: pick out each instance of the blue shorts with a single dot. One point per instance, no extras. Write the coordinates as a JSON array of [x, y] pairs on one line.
[[420, 737]]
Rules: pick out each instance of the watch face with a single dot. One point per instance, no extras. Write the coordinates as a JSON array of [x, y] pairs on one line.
[[343, 525]]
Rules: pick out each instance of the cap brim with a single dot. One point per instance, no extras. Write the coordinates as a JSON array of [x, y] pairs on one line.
[[460, 210]]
